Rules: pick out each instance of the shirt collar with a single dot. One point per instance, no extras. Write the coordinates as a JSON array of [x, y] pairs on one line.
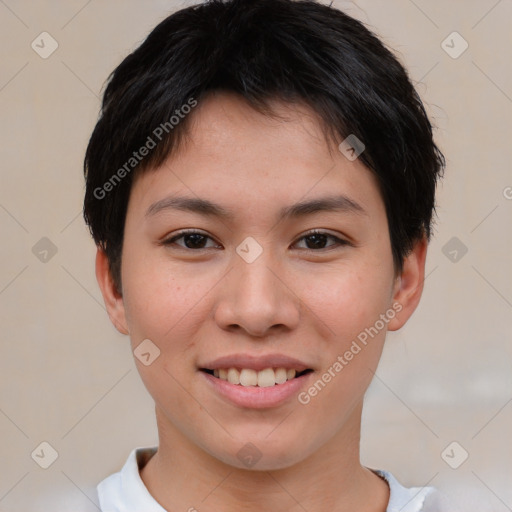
[[402, 499], [125, 491]]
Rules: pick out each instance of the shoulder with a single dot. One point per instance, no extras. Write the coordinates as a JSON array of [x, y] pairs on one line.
[[411, 499], [125, 491]]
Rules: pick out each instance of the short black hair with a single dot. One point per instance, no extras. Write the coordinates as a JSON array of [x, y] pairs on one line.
[[296, 51]]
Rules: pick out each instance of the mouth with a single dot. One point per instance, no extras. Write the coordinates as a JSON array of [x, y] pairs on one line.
[[256, 380], [265, 378]]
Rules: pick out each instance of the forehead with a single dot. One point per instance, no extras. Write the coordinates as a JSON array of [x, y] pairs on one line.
[[236, 156], [225, 123]]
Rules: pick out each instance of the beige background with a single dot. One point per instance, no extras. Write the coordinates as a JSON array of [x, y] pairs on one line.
[[67, 377]]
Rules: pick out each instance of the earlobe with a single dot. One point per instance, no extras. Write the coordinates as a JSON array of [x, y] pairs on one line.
[[111, 296], [409, 285]]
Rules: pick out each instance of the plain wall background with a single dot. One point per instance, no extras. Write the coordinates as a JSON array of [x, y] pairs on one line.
[[68, 378]]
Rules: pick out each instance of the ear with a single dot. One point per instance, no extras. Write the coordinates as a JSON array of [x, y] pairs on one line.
[[112, 298], [409, 285]]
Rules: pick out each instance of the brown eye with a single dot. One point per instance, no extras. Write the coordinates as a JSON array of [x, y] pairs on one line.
[[317, 240], [191, 240]]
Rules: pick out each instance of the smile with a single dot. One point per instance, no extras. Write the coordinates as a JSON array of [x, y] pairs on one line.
[[256, 381], [267, 377]]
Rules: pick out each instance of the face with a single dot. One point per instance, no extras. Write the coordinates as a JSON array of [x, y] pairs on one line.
[[260, 286]]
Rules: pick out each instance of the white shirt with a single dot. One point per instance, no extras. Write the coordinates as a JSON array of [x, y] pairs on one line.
[[125, 491]]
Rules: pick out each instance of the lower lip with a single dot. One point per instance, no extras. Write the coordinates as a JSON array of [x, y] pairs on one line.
[[255, 397]]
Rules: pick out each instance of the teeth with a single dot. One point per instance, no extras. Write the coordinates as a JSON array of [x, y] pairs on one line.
[[266, 378], [281, 375], [233, 376], [248, 377]]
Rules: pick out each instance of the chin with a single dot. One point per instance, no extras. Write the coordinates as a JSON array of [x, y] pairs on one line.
[[257, 453]]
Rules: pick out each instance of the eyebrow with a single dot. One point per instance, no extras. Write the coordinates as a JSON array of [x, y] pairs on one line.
[[340, 203]]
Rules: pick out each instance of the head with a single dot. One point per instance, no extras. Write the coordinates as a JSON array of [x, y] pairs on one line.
[[249, 105]]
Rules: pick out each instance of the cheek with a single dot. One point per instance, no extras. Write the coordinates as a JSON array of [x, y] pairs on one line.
[[349, 304], [164, 305], [347, 300], [157, 299]]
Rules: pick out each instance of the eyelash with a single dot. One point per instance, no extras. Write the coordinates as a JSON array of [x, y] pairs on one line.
[[339, 242]]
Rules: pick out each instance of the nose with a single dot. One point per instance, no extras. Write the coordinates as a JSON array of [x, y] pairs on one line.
[[257, 298]]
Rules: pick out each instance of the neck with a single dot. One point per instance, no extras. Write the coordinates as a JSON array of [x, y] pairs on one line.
[[182, 476]]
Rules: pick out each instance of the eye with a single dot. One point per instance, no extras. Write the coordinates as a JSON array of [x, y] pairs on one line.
[[316, 240], [192, 240]]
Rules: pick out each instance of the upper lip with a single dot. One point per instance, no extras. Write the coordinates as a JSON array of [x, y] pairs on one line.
[[256, 363]]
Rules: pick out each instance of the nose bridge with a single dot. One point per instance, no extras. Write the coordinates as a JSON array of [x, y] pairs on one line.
[[254, 283], [254, 296]]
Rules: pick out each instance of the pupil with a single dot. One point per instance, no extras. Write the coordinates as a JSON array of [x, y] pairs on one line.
[[196, 240], [318, 240]]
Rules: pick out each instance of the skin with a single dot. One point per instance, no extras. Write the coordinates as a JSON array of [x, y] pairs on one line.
[[306, 302]]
